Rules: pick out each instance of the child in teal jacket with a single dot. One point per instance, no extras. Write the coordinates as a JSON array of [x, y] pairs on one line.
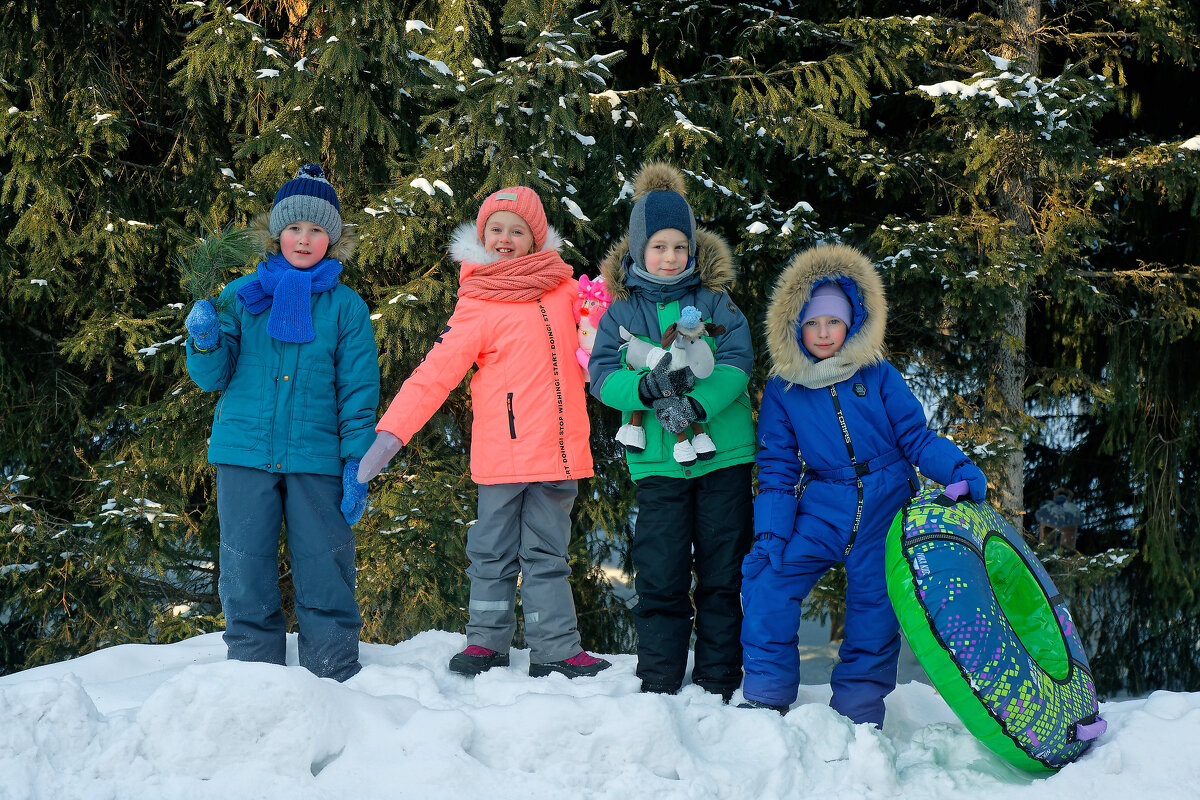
[[293, 354]]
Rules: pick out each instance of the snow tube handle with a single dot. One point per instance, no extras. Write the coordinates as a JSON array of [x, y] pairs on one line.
[[1093, 730], [953, 493]]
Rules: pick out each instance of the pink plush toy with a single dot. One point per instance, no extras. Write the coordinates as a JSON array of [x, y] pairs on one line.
[[594, 300]]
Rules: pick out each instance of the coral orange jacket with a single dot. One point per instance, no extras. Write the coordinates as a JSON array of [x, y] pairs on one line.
[[527, 395]]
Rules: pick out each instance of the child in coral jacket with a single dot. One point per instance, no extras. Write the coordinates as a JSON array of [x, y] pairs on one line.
[[515, 321], [839, 432]]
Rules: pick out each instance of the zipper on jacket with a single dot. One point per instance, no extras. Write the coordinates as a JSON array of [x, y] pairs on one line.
[[558, 391], [837, 406], [512, 421]]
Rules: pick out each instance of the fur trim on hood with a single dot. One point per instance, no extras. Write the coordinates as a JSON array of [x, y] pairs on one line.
[[792, 291], [714, 262], [341, 250], [465, 247]]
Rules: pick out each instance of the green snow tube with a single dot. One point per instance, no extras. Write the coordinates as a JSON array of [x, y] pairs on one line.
[[991, 631]]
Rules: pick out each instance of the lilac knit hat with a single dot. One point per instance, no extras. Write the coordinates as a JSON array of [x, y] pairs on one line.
[[828, 299]]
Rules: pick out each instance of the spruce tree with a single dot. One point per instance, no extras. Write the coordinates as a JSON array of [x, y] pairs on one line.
[[999, 168]]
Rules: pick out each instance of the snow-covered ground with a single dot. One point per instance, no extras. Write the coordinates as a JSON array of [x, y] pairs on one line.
[[178, 721]]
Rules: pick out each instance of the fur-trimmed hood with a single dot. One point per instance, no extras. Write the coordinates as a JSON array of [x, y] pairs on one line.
[[856, 276], [465, 247], [342, 249]]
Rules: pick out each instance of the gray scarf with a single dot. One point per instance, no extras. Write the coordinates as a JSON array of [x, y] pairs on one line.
[[834, 369], [659, 279]]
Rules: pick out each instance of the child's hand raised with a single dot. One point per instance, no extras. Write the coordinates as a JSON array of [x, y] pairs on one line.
[[202, 324], [382, 450]]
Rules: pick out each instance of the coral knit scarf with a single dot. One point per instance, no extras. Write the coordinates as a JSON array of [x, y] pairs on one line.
[[516, 280]]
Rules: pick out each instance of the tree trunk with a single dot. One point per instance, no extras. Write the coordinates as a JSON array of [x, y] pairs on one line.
[[1015, 198]]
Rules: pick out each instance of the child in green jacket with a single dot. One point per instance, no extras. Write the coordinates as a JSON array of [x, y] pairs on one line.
[[694, 514]]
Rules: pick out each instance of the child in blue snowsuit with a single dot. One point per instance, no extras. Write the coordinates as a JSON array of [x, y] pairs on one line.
[[293, 354], [839, 433]]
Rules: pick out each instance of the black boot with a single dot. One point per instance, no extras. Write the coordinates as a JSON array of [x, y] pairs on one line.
[[780, 710], [476, 659]]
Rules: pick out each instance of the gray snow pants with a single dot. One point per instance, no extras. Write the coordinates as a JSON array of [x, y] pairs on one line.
[[251, 505], [525, 528]]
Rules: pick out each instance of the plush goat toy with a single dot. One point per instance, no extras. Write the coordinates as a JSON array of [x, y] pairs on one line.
[[688, 351]]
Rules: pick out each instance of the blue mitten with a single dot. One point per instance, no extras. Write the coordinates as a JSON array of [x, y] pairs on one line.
[[768, 550], [202, 324], [976, 480], [354, 494]]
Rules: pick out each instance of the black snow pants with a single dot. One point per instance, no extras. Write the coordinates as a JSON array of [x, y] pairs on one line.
[[684, 524]]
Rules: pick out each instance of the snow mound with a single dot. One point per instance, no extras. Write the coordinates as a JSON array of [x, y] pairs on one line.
[[179, 721]]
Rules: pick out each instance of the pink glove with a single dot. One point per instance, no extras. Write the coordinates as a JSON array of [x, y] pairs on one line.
[[382, 450]]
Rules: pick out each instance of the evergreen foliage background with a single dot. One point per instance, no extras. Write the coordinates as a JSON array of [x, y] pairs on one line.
[[1037, 218]]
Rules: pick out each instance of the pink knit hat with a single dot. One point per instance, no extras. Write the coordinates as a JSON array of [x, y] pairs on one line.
[[828, 299], [520, 200]]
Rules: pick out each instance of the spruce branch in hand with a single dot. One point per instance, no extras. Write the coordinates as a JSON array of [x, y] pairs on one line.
[[203, 265]]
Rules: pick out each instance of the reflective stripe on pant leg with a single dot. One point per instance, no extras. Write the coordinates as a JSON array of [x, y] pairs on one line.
[[551, 629], [321, 551], [250, 510], [492, 545]]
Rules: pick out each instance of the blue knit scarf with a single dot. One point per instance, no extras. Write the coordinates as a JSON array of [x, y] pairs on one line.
[[287, 291]]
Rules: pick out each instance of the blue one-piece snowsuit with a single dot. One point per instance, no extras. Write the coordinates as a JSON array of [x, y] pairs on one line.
[[837, 443]]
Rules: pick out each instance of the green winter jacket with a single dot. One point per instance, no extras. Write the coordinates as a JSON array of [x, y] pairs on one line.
[[288, 407], [647, 310]]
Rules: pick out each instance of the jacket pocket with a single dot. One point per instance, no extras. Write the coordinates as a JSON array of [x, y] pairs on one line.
[[512, 421], [315, 429]]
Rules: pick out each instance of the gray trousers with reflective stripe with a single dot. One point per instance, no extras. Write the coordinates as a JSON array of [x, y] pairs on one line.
[[523, 528]]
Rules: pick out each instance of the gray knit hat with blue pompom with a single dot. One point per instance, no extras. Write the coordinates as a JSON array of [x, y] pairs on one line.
[[308, 197]]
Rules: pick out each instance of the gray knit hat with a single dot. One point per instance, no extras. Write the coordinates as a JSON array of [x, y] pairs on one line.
[[308, 197], [660, 201]]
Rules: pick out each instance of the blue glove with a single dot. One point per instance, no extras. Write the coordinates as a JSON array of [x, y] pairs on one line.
[[976, 480], [768, 550], [202, 324], [354, 494]]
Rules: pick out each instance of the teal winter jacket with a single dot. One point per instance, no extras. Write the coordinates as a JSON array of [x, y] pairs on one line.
[[288, 407]]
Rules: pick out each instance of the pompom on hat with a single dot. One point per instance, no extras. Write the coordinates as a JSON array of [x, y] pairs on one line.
[[522, 201], [828, 299], [308, 197]]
